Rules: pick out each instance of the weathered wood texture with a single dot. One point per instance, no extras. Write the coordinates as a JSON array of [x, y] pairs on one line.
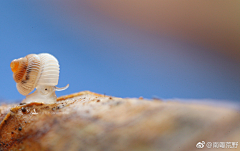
[[89, 121]]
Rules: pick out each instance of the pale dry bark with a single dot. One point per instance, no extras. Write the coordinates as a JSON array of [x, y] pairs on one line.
[[90, 121]]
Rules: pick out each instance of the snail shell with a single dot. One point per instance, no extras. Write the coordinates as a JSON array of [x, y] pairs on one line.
[[33, 70], [37, 71]]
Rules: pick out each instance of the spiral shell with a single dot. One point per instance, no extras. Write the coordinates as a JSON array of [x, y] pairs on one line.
[[35, 70]]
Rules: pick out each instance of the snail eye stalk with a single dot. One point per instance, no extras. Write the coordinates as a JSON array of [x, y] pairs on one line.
[[61, 89]]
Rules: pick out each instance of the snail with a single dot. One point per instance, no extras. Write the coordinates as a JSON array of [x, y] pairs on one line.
[[40, 71]]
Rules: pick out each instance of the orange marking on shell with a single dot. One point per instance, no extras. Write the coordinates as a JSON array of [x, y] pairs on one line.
[[19, 72], [14, 65]]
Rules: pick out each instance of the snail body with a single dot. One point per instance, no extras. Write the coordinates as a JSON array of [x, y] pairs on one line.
[[40, 71]]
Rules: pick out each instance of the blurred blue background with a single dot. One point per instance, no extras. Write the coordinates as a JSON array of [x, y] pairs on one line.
[[107, 53]]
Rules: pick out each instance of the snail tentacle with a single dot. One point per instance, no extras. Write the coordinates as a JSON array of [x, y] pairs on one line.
[[62, 88]]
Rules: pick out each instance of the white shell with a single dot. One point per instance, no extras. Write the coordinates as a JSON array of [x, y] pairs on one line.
[[43, 69], [49, 70], [37, 71]]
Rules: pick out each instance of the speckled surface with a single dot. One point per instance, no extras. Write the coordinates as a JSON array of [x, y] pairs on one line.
[[90, 121]]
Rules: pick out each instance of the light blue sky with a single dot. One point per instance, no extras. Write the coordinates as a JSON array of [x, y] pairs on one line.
[[104, 57]]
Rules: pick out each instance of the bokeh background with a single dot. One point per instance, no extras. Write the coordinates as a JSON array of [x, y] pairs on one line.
[[129, 48]]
